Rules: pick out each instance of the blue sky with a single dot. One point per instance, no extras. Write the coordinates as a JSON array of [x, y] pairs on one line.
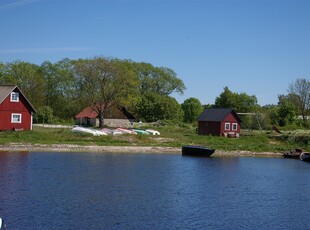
[[257, 47]]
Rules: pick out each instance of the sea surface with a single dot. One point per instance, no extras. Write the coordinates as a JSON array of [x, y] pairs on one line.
[[48, 190]]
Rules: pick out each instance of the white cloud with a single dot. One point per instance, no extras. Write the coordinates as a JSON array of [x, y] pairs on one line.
[[17, 4]]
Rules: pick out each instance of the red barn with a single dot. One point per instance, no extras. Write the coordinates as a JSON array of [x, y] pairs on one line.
[[16, 111], [219, 122]]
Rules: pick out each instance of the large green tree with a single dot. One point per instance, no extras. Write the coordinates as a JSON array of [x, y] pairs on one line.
[[192, 108], [242, 102], [160, 80], [103, 82], [28, 77], [299, 96], [154, 107], [60, 88]]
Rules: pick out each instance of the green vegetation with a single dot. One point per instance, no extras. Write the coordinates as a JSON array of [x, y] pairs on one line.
[[170, 137], [59, 91]]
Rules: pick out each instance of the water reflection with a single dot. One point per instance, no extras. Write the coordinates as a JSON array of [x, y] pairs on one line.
[[150, 191]]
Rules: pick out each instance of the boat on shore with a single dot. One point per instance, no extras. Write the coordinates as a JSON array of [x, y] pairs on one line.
[[198, 151], [293, 154], [113, 132], [140, 131], [126, 131], [305, 156], [152, 132], [83, 130]]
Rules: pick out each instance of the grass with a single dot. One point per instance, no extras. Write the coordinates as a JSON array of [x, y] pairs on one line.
[[170, 137]]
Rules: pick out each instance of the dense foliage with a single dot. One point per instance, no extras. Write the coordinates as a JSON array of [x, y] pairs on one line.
[[60, 90]]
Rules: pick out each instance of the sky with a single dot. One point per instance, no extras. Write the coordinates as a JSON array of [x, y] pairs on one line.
[[257, 47]]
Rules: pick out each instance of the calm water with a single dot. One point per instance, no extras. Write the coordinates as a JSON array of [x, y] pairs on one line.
[[152, 191]]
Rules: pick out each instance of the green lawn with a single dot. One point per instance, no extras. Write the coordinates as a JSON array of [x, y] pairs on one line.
[[170, 136]]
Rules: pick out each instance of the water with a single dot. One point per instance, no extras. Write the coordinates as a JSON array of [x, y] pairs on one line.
[[152, 191]]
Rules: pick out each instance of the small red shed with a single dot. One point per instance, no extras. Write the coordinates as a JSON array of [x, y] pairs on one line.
[[16, 112], [219, 122]]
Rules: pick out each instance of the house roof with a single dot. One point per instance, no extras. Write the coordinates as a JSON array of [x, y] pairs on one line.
[[217, 114], [113, 112], [6, 90]]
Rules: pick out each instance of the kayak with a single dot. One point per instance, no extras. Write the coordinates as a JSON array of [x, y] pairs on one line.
[[152, 132]]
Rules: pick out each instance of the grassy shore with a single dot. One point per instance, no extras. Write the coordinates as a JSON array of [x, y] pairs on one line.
[[171, 140]]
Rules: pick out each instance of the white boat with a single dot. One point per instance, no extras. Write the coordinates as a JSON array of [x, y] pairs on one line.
[[126, 131], [113, 132], [152, 132], [2, 224], [92, 131]]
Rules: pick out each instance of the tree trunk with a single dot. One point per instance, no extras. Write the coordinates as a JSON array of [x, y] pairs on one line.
[[101, 119]]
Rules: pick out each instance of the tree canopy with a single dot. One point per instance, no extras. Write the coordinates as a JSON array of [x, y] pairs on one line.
[[239, 102], [103, 83], [192, 108]]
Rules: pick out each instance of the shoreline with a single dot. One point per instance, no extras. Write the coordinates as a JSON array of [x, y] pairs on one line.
[[122, 149]]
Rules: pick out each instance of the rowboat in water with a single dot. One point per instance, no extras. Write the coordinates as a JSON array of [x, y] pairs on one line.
[[199, 151], [293, 154], [305, 156]]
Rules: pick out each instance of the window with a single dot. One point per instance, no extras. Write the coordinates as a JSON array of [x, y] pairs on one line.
[[15, 97], [16, 118], [227, 126], [234, 126]]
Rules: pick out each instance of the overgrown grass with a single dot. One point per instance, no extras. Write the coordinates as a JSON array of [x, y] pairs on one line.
[[170, 136]]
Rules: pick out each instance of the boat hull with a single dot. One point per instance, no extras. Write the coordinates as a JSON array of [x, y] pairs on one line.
[[293, 154], [305, 157], [198, 151]]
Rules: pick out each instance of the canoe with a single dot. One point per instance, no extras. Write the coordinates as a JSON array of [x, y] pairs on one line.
[[152, 132], [84, 130], [126, 131], [200, 151], [140, 131], [305, 156], [293, 154]]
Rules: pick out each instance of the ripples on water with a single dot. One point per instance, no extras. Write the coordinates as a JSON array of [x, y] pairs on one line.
[[152, 191]]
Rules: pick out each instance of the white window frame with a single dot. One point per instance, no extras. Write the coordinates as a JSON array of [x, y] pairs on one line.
[[15, 97], [227, 126], [234, 127], [18, 120]]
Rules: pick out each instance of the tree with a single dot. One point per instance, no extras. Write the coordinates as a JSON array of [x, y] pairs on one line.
[[239, 102], [28, 77], [154, 107], [192, 108], [60, 91], [160, 80], [286, 112], [299, 95], [103, 82]]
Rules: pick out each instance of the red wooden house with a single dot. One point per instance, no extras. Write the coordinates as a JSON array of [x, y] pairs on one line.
[[113, 117], [16, 112], [219, 122]]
